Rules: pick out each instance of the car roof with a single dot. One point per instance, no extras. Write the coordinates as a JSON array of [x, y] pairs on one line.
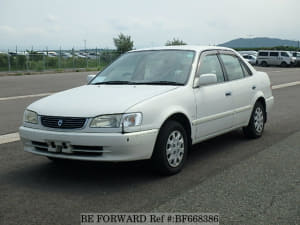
[[184, 47], [273, 51]]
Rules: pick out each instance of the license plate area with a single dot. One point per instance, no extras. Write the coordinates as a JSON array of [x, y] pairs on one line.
[[59, 147]]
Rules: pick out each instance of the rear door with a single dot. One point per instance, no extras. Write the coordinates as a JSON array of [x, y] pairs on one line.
[[243, 86], [274, 58]]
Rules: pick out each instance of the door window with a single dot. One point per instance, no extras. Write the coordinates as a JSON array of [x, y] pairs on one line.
[[233, 67], [263, 54], [211, 64], [246, 70]]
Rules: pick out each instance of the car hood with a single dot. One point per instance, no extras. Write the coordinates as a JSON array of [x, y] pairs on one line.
[[93, 100]]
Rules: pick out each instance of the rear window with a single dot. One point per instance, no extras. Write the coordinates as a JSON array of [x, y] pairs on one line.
[[263, 53]]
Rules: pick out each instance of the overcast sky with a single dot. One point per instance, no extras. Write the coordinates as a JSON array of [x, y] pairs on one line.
[[67, 23]]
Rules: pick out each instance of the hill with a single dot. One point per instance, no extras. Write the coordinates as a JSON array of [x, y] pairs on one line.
[[259, 42]]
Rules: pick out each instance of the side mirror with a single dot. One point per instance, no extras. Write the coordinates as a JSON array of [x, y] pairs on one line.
[[90, 77], [208, 78]]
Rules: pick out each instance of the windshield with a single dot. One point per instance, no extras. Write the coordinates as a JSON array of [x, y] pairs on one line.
[[148, 67], [286, 54]]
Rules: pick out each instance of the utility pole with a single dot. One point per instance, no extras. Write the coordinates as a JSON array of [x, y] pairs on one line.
[[96, 57], [8, 60], [16, 57], [47, 57], [59, 57], [86, 57], [84, 45], [73, 58]]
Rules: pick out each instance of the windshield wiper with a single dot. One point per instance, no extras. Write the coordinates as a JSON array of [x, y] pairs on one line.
[[162, 82], [115, 82]]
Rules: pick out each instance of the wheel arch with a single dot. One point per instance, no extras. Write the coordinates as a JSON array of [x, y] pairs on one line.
[[263, 102], [259, 97], [184, 121]]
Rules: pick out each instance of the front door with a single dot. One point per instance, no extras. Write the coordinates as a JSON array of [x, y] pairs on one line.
[[214, 102]]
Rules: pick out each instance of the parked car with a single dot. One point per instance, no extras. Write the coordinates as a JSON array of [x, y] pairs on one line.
[[254, 53], [275, 58], [66, 55], [250, 59], [151, 104], [18, 53], [297, 56], [52, 54], [79, 55], [92, 55]]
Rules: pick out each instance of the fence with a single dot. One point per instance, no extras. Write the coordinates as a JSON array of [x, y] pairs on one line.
[[30, 62]]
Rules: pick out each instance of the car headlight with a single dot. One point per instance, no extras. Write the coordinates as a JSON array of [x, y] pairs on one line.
[[30, 117], [117, 120], [106, 121]]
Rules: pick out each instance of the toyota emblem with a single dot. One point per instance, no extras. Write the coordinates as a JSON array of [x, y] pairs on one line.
[[59, 123]]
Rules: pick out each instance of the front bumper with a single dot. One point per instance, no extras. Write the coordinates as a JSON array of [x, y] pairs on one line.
[[89, 146]]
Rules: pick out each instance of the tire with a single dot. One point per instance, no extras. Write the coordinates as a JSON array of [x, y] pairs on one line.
[[171, 147], [283, 64], [256, 124], [264, 63]]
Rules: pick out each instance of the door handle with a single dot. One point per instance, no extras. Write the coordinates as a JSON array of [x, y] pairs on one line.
[[228, 93], [253, 87]]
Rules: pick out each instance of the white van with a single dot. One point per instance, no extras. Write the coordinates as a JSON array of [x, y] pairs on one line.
[[275, 57]]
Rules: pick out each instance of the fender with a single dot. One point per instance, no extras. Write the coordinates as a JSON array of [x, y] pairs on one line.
[[257, 95]]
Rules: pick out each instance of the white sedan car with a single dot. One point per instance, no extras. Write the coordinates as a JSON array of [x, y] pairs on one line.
[[250, 59], [151, 104]]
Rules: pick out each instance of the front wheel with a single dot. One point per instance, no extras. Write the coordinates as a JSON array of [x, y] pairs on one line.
[[256, 124], [170, 151]]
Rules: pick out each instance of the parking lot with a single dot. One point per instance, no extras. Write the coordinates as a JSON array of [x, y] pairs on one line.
[[245, 181]]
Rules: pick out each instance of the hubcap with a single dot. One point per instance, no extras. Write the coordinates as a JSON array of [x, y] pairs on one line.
[[175, 148], [258, 120]]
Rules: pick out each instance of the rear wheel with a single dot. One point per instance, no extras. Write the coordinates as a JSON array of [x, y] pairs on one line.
[[284, 64], [264, 63], [256, 124], [170, 151]]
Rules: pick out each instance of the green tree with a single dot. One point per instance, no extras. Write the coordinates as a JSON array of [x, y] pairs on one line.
[[123, 43], [175, 42]]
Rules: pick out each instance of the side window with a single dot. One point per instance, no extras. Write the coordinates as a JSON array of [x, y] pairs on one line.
[[211, 64], [263, 54], [233, 67], [284, 54], [273, 53], [246, 70]]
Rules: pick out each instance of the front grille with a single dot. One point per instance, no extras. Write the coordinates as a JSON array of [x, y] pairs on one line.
[[63, 122]]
